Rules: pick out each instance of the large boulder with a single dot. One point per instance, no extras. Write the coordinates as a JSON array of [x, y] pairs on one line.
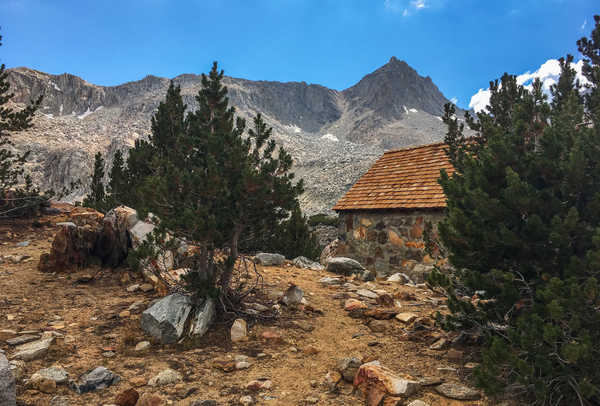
[[113, 243], [203, 318], [73, 246], [268, 259], [166, 319], [348, 266], [8, 396]]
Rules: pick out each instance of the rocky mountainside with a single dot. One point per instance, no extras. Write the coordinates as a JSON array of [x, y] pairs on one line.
[[334, 136]]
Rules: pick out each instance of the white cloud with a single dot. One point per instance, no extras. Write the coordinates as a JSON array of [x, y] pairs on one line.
[[584, 24], [454, 100], [548, 73], [407, 7]]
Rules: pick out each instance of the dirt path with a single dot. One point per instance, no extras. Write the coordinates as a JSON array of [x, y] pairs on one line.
[[87, 316]]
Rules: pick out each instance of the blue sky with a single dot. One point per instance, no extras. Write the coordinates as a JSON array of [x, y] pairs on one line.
[[460, 44]]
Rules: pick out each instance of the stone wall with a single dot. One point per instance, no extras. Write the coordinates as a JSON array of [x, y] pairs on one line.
[[388, 241]]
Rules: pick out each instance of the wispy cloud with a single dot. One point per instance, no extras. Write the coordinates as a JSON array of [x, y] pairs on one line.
[[584, 24], [406, 7], [454, 100]]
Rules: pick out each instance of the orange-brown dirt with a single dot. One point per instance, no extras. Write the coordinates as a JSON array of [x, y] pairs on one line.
[[312, 342]]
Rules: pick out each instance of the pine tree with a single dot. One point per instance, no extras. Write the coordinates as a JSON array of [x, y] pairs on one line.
[[117, 184], [17, 195], [96, 199], [208, 182], [295, 237], [149, 157], [523, 232]]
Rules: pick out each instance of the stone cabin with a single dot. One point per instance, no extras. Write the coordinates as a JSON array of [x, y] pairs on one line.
[[382, 217]]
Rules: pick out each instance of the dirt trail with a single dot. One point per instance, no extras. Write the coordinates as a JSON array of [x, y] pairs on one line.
[[86, 313]]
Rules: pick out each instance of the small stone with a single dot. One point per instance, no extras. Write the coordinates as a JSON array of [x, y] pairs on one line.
[[258, 385], [133, 288], [353, 304], [146, 287], [378, 326], [406, 317], [23, 244], [246, 400], [348, 367], [41, 383], [165, 377], [127, 398], [329, 281], [331, 380], [60, 401], [292, 296], [471, 365], [239, 330], [27, 338], [55, 373], [367, 293], [148, 399], [125, 314], [142, 346], [242, 365], [84, 278], [457, 391], [98, 378], [439, 344], [418, 403], [267, 259]]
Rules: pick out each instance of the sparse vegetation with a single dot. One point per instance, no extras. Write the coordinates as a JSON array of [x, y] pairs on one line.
[[523, 232], [323, 219]]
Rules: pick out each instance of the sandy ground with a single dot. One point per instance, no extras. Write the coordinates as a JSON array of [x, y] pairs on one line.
[[313, 340]]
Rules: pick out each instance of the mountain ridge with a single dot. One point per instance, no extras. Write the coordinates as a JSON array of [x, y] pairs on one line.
[[333, 136]]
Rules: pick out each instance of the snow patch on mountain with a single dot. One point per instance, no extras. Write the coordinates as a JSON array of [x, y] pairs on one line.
[[330, 137]]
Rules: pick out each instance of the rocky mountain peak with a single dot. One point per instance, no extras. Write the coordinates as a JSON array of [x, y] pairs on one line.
[[394, 89]]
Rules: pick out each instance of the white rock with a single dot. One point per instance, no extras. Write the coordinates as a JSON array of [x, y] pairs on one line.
[[165, 377], [239, 330]]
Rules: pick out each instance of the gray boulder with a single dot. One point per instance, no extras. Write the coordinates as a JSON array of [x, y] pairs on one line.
[[165, 320], [98, 378], [268, 259], [344, 266], [33, 350], [420, 273], [292, 296], [139, 232], [203, 318], [303, 262], [56, 374], [8, 396]]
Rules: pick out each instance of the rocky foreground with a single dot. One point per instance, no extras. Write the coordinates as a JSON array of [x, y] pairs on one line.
[[76, 339]]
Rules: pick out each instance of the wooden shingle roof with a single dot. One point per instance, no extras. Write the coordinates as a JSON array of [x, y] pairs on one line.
[[401, 179]]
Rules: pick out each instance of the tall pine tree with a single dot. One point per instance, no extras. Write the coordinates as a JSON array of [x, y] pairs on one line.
[[17, 196], [523, 232], [96, 199], [209, 182]]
